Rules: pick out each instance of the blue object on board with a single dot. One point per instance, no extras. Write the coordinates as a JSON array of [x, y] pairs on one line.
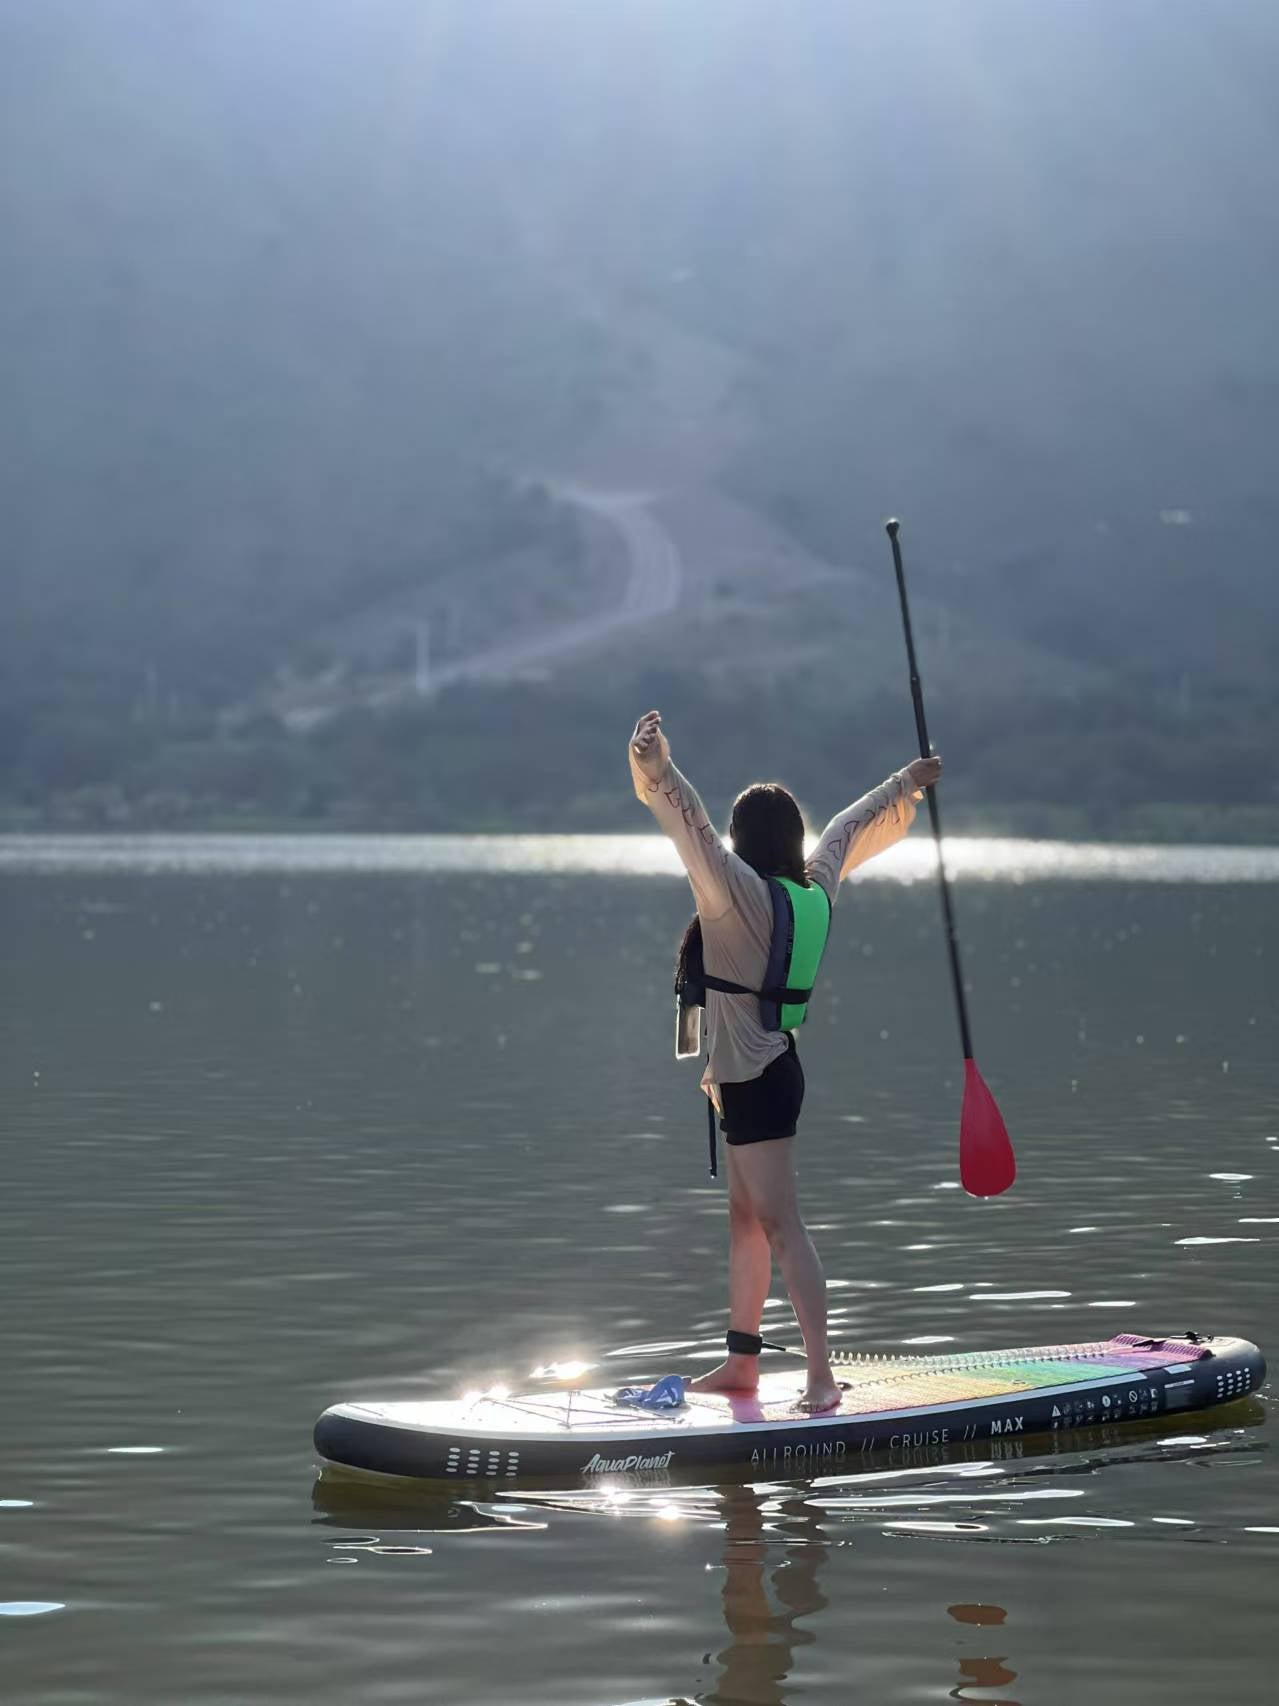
[[667, 1394]]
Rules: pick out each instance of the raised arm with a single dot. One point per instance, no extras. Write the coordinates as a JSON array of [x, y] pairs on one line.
[[673, 801], [870, 824]]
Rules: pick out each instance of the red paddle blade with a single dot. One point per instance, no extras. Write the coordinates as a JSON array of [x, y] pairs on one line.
[[987, 1165]]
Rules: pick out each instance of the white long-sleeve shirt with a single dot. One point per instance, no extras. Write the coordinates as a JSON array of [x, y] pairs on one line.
[[736, 910]]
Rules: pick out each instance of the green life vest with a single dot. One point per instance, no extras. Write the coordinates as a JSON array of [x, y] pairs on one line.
[[801, 925]]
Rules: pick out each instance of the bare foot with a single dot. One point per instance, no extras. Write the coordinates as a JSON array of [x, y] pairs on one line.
[[821, 1393], [736, 1374]]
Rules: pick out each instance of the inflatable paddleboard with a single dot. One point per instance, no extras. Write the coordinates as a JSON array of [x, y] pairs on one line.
[[889, 1404]]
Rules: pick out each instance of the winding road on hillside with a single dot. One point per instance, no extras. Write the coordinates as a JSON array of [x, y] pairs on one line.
[[654, 584], [654, 587]]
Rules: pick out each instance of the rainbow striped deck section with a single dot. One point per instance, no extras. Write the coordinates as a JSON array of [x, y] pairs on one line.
[[896, 1383], [889, 1405]]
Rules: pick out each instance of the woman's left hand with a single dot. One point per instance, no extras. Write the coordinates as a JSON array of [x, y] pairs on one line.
[[925, 771]]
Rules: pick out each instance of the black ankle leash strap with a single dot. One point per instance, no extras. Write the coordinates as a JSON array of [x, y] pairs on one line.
[[749, 1344]]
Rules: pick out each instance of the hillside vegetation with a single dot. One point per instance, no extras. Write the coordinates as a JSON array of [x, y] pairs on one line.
[[331, 332]]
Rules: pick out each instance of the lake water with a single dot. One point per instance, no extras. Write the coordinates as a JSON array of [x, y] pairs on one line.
[[287, 1121]]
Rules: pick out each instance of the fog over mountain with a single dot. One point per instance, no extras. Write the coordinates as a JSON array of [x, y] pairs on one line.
[[377, 373]]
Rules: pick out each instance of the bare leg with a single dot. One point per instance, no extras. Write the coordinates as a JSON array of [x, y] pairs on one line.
[[750, 1270], [766, 1174]]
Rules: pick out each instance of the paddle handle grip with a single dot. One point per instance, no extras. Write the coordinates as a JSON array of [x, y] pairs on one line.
[[892, 528]]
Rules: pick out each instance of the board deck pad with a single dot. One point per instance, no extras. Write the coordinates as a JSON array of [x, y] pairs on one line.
[[890, 1403]]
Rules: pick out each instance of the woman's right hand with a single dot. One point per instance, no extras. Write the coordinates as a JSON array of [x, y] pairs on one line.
[[924, 771], [649, 744]]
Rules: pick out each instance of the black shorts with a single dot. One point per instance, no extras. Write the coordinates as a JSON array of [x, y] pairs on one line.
[[766, 1107]]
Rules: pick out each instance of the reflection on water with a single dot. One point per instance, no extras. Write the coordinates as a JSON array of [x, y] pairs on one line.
[[992, 858], [765, 1594], [776, 1540], [986, 1672]]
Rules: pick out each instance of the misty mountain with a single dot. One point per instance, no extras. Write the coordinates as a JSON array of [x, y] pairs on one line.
[[319, 319]]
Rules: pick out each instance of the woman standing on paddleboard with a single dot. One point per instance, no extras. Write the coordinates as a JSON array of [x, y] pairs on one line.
[[763, 911]]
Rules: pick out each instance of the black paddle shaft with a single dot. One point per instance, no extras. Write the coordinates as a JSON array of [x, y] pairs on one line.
[[925, 751]]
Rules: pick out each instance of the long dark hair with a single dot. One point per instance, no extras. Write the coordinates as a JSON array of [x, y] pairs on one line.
[[767, 832]]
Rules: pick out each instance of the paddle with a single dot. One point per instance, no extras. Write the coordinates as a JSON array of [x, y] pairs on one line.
[[986, 1162]]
